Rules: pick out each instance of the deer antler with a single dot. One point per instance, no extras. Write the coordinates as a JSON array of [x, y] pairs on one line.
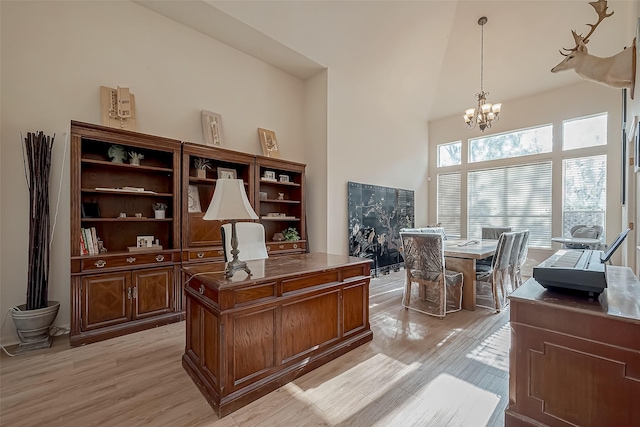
[[600, 7]]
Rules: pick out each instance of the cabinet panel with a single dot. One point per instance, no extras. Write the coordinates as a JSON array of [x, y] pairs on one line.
[[105, 300], [254, 344], [152, 291], [301, 331]]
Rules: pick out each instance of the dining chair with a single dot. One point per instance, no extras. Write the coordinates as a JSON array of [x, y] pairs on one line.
[[584, 231], [522, 258], [491, 286], [514, 259], [484, 264], [251, 241], [429, 287]]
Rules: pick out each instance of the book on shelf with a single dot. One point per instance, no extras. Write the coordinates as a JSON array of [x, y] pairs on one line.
[[86, 234], [94, 240], [83, 248]]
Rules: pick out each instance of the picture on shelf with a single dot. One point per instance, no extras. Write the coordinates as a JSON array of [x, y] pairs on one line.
[[263, 195], [284, 178], [225, 173], [144, 241], [194, 199], [90, 210], [212, 128], [269, 143], [269, 175]]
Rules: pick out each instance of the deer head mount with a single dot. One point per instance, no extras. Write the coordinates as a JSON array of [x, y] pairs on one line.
[[616, 71]]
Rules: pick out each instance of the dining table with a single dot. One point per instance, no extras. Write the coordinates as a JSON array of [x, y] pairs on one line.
[[460, 255]]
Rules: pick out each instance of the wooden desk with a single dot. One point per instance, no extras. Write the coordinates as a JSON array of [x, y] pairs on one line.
[[247, 336], [574, 360], [463, 259]]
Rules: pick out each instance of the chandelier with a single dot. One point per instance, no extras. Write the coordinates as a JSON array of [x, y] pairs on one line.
[[485, 114]]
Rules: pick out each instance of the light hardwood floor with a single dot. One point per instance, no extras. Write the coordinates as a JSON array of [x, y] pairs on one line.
[[417, 371]]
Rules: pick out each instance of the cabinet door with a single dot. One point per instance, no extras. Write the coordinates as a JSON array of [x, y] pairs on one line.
[[152, 292], [105, 300]]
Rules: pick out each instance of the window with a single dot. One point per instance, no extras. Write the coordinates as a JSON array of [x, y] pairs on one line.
[[584, 132], [584, 191], [515, 196], [450, 154], [515, 144], [449, 202]]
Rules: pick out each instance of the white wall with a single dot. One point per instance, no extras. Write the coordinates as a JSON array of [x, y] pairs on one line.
[[582, 99], [316, 153], [56, 55], [371, 141]]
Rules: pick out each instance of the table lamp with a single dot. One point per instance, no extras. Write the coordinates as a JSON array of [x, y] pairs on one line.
[[229, 202]]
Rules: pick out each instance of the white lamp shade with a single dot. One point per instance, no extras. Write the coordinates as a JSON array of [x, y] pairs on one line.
[[497, 108], [229, 201]]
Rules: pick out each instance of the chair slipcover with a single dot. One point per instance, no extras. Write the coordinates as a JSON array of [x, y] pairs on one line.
[[522, 258], [429, 287], [494, 232], [484, 264], [251, 241], [493, 286]]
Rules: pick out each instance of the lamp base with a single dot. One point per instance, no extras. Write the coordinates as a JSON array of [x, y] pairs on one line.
[[234, 266]]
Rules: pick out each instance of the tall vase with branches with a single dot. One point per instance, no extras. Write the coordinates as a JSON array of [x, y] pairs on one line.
[[37, 151], [34, 319]]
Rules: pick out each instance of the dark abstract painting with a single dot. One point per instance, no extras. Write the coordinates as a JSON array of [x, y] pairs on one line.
[[376, 215]]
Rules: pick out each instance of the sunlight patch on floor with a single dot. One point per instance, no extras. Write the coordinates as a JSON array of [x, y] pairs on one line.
[[494, 350]]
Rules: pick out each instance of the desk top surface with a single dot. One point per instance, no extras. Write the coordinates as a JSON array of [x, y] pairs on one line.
[[272, 268], [621, 298], [476, 249]]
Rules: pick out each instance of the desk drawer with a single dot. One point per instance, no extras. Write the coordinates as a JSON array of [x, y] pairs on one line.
[[209, 254], [279, 247], [127, 260]]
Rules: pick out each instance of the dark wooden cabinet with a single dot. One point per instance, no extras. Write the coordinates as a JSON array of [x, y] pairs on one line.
[[126, 288], [202, 240], [280, 202], [283, 195]]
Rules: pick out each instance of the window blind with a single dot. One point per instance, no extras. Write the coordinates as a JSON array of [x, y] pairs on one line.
[[515, 196], [449, 202]]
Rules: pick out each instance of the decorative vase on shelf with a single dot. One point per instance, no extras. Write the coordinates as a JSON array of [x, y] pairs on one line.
[[159, 214], [201, 173]]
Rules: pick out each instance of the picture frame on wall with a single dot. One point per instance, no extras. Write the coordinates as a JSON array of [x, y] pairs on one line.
[[269, 143], [212, 128]]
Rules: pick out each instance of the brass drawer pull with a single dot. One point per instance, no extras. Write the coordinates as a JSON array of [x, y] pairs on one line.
[[220, 252], [281, 246], [295, 246], [131, 259], [200, 254], [159, 258], [100, 263], [129, 293], [201, 289], [268, 248]]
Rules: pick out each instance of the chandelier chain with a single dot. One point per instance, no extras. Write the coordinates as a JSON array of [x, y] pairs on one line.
[[482, 58]]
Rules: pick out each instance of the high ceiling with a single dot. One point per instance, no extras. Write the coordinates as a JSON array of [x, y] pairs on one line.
[[424, 56]]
